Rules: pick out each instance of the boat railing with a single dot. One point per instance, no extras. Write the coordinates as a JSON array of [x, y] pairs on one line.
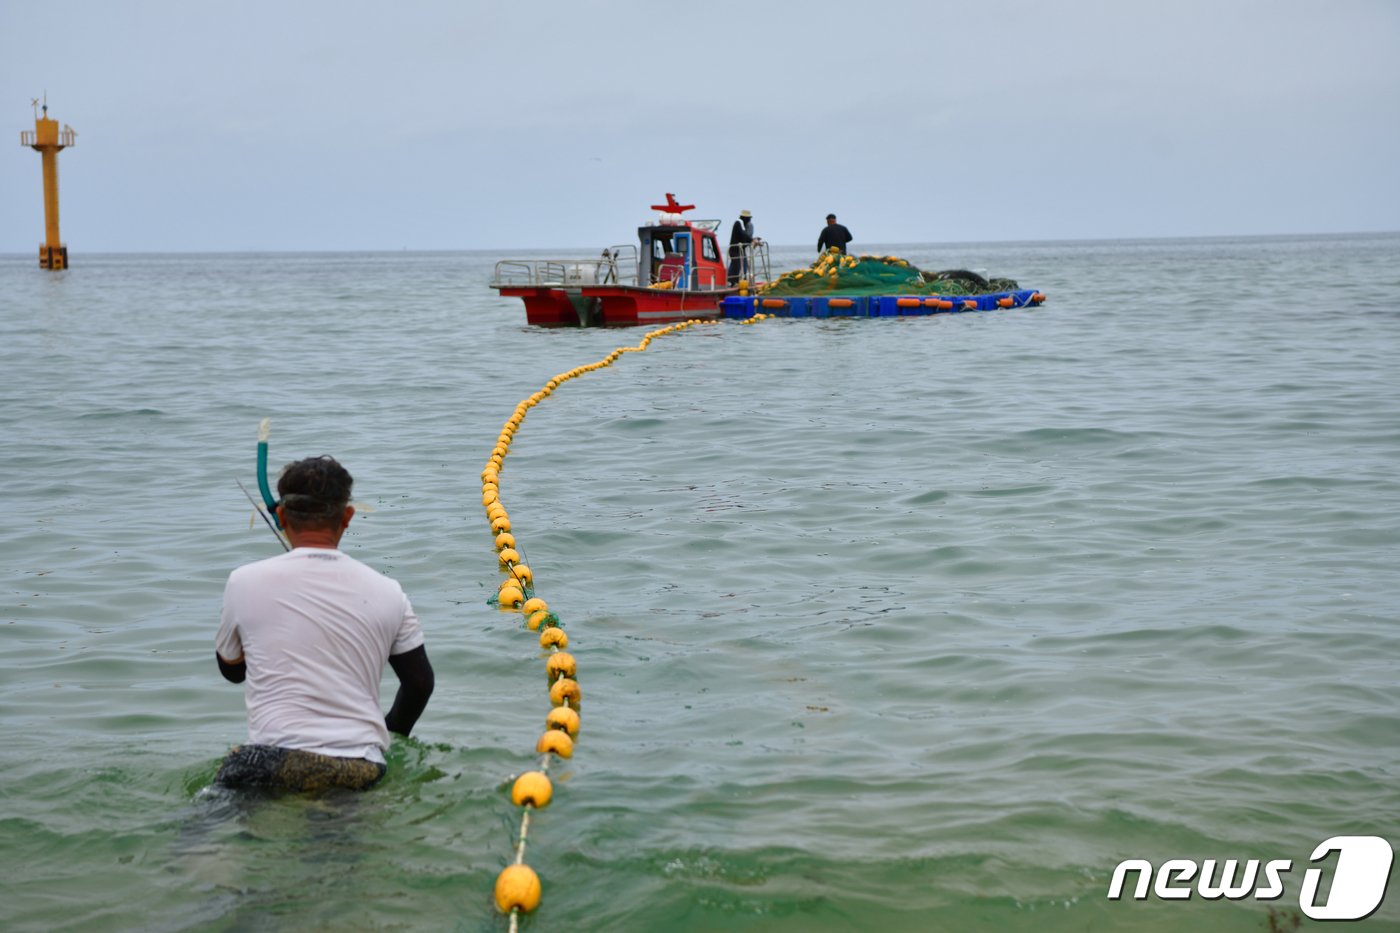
[[754, 266], [676, 275], [616, 266]]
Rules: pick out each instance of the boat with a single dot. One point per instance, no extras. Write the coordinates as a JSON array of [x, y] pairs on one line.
[[676, 272]]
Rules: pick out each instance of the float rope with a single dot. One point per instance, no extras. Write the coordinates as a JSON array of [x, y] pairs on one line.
[[517, 886]]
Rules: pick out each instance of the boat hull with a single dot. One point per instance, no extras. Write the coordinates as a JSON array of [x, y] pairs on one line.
[[555, 307], [616, 305], [635, 306]]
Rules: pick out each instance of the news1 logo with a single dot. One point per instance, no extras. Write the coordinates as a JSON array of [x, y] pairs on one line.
[[1358, 880]]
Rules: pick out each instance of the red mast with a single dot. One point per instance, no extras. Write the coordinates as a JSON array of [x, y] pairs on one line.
[[672, 206]]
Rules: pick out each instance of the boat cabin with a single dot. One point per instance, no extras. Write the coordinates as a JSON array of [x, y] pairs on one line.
[[683, 253]]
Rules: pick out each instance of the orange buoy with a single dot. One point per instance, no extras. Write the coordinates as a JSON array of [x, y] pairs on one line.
[[907, 302], [840, 303], [969, 305], [1005, 302], [774, 303]]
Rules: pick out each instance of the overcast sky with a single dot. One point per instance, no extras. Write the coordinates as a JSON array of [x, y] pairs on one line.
[[456, 124]]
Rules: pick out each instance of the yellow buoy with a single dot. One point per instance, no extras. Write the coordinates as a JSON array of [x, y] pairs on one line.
[[504, 540], [522, 573], [561, 717], [517, 888], [560, 665], [557, 743], [500, 523], [552, 637], [511, 597], [533, 605], [509, 556], [532, 788], [565, 692], [533, 620]]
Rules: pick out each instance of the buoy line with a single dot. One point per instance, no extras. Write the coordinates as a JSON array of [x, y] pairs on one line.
[[517, 885]]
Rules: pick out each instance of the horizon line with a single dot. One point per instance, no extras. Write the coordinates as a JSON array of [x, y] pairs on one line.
[[782, 246]]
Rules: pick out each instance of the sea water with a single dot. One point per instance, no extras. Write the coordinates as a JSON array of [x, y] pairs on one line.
[[897, 624]]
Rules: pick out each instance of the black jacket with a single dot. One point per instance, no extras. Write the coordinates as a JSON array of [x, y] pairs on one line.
[[741, 234], [833, 235]]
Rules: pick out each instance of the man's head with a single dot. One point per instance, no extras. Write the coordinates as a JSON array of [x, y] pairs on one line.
[[315, 495], [831, 218]]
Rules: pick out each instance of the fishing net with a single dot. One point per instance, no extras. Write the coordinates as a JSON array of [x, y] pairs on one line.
[[835, 273]]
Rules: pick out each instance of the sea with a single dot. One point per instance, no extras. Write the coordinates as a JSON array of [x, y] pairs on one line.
[[900, 624]]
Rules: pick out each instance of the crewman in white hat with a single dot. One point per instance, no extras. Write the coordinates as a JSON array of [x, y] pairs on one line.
[[740, 237]]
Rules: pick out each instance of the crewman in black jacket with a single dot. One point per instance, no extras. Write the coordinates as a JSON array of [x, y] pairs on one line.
[[833, 234]]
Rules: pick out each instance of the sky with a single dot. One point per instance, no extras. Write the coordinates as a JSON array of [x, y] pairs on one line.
[[458, 124]]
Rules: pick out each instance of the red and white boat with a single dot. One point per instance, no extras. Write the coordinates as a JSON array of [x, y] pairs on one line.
[[677, 272]]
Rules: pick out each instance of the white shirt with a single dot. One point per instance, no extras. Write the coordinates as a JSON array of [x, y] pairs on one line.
[[316, 628]]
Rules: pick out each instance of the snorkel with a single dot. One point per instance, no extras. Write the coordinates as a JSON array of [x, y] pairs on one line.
[[265, 429], [270, 516]]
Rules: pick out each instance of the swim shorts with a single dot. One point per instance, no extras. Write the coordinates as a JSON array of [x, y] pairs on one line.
[[273, 768]]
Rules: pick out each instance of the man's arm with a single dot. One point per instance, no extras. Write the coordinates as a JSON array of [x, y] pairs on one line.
[[235, 672], [415, 687]]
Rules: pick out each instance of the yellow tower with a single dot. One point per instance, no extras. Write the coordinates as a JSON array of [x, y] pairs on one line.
[[47, 139]]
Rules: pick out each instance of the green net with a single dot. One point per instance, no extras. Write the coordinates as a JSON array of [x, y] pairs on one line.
[[837, 274]]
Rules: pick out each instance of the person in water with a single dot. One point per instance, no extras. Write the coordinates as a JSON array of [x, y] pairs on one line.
[[833, 234], [308, 634]]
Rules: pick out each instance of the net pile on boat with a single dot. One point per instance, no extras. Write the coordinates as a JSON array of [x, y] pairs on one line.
[[835, 273]]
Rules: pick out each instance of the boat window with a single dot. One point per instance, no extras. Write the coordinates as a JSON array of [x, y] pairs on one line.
[[708, 249], [659, 247]]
